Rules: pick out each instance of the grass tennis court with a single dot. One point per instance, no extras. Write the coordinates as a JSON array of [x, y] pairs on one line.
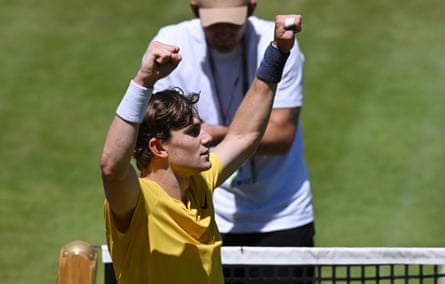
[[373, 119]]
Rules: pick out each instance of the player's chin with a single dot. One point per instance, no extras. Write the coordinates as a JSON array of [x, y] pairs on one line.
[[206, 164]]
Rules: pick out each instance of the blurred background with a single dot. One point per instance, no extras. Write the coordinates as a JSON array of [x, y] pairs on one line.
[[373, 119]]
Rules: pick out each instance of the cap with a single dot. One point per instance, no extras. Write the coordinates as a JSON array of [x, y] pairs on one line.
[[222, 11]]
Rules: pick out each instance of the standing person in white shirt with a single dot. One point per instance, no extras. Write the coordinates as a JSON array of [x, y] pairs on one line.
[[268, 201]]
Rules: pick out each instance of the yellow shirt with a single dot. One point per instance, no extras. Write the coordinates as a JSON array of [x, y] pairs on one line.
[[169, 241]]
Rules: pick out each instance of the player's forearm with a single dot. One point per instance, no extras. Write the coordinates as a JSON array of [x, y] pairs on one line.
[[278, 137], [122, 134], [252, 116]]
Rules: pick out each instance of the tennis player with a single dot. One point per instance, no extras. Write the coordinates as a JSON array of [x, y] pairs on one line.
[[160, 227]]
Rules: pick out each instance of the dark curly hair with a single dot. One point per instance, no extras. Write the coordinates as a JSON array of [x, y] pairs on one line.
[[167, 110]]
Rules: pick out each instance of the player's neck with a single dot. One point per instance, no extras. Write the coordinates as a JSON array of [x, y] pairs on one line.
[[171, 183]]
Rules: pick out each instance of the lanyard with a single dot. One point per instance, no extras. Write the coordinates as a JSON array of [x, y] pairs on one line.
[[220, 97]]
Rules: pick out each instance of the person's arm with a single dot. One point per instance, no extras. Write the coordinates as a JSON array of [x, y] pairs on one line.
[[280, 131], [252, 116], [119, 177], [279, 134]]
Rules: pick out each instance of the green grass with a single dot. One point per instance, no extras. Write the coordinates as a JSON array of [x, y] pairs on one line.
[[373, 119], [373, 115]]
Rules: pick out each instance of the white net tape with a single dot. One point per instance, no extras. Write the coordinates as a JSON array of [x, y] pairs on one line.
[[324, 255], [332, 255]]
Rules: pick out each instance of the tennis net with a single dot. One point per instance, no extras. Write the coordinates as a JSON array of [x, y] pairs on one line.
[[325, 265]]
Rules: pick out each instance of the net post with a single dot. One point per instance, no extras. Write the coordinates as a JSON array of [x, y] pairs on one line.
[[77, 263]]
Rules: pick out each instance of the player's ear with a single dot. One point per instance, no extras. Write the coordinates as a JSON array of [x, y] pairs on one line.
[[195, 8], [157, 148], [251, 7]]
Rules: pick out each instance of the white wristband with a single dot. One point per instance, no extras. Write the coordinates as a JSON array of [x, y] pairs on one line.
[[134, 103]]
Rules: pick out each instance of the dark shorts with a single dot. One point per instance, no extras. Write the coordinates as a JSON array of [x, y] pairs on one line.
[[297, 237]]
